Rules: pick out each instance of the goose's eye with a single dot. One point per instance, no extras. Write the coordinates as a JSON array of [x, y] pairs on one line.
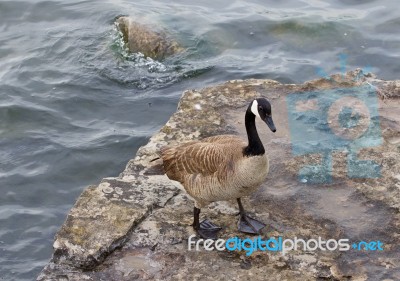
[[260, 108]]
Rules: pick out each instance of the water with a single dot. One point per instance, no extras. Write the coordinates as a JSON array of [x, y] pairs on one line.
[[74, 107]]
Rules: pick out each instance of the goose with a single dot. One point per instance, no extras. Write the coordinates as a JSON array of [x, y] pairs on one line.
[[222, 167]]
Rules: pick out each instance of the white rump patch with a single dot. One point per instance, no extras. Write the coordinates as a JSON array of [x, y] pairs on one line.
[[254, 108]]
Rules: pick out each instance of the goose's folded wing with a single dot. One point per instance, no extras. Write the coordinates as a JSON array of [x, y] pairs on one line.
[[198, 158], [223, 139]]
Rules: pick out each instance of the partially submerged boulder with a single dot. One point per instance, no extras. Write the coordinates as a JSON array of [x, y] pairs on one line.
[[141, 38]]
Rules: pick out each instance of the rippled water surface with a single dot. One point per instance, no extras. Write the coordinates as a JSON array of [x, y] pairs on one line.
[[74, 106]]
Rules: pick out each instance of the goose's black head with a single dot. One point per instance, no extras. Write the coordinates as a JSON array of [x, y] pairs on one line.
[[262, 108]]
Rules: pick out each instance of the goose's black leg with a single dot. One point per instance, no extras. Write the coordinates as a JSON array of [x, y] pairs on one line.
[[206, 229], [247, 224]]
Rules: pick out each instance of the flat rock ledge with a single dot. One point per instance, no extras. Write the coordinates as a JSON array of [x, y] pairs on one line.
[[136, 226]]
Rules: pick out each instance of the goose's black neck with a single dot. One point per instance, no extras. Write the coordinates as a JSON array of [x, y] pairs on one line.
[[255, 146]]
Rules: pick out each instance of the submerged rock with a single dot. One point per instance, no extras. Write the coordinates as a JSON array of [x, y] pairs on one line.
[[141, 38], [137, 225]]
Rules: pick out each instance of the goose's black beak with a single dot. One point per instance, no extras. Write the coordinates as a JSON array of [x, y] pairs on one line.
[[268, 120]]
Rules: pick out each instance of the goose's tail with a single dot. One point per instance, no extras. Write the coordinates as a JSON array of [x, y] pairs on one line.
[[157, 168], [152, 160]]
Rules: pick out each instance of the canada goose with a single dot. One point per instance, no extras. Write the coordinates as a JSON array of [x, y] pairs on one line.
[[222, 167]]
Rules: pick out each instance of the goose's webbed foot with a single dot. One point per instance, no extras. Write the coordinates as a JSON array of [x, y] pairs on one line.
[[246, 223], [208, 230], [205, 229]]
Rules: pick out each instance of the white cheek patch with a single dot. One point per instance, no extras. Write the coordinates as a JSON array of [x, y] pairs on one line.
[[254, 108]]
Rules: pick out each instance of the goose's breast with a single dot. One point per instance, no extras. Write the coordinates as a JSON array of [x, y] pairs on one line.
[[252, 171]]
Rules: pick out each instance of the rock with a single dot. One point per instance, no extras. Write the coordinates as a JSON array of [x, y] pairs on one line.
[[137, 225], [142, 38], [86, 242]]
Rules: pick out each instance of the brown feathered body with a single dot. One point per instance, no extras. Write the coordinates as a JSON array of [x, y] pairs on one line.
[[215, 168]]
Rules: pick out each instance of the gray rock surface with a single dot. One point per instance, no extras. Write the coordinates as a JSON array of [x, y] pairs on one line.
[[136, 226]]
